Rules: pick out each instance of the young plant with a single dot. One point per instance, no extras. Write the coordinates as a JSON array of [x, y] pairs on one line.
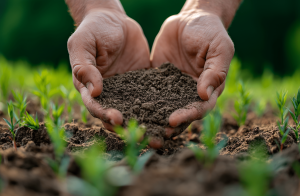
[[57, 112], [296, 113], [283, 124], [255, 175], [260, 108], [20, 103], [57, 136], [30, 122], [94, 169], [70, 97], [11, 124], [241, 106], [132, 136], [44, 91], [211, 126]]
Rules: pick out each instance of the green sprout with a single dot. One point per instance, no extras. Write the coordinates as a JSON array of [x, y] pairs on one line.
[[211, 126], [296, 113], [11, 124], [57, 135], [57, 112], [241, 106], [132, 136], [282, 126], [255, 174], [95, 170], [44, 91], [20, 103], [70, 97], [30, 122], [260, 108]]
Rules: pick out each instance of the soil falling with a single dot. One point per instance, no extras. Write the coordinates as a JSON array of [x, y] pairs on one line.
[[149, 96]]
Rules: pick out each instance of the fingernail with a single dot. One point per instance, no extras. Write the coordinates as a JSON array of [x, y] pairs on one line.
[[90, 86], [209, 91]]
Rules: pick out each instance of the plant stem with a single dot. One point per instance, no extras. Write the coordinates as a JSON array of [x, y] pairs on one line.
[[15, 145]]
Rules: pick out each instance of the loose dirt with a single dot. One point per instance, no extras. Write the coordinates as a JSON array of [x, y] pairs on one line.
[[150, 96]]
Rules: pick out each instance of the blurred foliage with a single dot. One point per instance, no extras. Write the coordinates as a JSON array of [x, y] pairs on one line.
[[265, 33]]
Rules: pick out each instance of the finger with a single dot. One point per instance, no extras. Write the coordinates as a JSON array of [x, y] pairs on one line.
[[108, 126], [82, 51], [195, 111], [156, 142], [110, 115], [218, 59]]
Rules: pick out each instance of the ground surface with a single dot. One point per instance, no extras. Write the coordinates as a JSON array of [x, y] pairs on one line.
[[173, 170]]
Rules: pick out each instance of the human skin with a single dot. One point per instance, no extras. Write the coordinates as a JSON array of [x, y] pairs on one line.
[[196, 41], [108, 42]]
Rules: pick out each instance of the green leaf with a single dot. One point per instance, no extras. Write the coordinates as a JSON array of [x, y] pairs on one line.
[[298, 96], [284, 137], [293, 116], [237, 106], [8, 123], [142, 160]]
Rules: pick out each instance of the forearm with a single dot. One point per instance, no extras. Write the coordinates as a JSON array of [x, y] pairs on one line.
[[79, 8], [225, 9]]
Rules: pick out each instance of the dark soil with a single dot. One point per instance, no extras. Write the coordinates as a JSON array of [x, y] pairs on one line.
[[150, 96], [173, 170]]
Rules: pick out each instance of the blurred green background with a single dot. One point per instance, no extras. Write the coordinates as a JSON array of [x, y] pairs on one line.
[[266, 33]]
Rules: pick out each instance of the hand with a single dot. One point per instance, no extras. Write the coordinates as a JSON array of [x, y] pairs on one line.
[[198, 44], [106, 42]]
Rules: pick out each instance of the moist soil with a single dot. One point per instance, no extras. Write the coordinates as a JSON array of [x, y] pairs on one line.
[[150, 96], [172, 170]]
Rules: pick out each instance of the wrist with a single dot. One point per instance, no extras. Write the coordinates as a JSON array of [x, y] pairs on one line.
[[80, 9], [225, 10]]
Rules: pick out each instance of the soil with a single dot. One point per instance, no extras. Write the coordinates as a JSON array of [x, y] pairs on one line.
[[172, 170], [150, 96]]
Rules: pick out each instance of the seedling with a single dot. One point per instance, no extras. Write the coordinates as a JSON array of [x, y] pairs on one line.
[[44, 91], [70, 97], [94, 170], [20, 103], [260, 108], [211, 126], [11, 124], [57, 112], [57, 135], [255, 175], [296, 113], [30, 122], [132, 136], [241, 106], [282, 126]]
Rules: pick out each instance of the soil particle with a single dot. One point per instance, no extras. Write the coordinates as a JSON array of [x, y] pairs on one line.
[[82, 138], [150, 96]]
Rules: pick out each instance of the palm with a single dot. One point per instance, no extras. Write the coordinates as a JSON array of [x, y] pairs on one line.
[[198, 44], [103, 45]]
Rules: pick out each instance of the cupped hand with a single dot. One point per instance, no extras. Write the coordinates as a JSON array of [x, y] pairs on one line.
[[105, 43], [198, 44]]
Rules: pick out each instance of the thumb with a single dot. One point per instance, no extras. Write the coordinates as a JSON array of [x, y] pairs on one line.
[[216, 68], [82, 51]]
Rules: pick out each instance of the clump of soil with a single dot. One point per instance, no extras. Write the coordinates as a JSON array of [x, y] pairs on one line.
[[149, 96]]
